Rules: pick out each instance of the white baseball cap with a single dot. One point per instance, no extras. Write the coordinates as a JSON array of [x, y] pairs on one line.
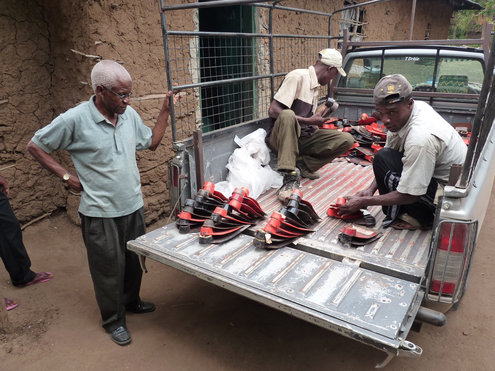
[[333, 58]]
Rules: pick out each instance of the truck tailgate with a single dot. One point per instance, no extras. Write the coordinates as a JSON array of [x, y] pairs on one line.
[[371, 293]]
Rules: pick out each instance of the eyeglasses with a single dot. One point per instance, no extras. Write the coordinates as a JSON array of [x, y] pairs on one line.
[[121, 96]]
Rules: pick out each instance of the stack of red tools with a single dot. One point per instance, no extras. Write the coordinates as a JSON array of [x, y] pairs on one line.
[[353, 236], [196, 212], [227, 221], [291, 222]]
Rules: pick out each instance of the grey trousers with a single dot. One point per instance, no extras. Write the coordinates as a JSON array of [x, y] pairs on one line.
[[115, 271], [319, 149]]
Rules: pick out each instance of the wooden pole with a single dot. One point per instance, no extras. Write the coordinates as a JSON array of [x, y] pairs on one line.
[[5, 325], [413, 14]]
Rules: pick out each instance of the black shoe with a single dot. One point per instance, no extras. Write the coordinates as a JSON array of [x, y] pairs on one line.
[[120, 335], [141, 307], [292, 181]]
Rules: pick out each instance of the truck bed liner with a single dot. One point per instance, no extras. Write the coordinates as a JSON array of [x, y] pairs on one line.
[[402, 254]]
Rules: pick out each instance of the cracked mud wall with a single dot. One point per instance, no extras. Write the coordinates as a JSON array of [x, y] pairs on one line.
[[47, 46], [42, 77], [25, 93]]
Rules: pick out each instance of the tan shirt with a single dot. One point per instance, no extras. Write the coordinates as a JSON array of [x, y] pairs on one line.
[[430, 146], [299, 91]]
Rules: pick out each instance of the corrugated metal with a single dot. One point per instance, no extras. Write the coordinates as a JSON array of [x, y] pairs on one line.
[[402, 254]]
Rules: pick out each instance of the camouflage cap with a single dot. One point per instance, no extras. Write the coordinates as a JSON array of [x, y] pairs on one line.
[[391, 89]]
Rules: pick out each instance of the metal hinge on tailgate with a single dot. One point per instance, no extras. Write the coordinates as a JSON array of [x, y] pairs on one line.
[[406, 349]]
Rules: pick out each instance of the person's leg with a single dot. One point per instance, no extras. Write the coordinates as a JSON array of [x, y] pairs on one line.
[[12, 249], [284, 140], [387, 167], [106, 259], [322, 147], [424, 209], [115, 271], [134, 226]]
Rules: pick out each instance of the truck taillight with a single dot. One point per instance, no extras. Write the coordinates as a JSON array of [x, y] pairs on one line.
[[454, 245]]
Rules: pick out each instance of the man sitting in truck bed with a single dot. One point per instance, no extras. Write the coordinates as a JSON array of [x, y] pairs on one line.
[[294, 134], [419, 151]]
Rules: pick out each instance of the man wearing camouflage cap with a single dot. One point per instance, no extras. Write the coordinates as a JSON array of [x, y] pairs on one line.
[[302, 148], [419, 151]]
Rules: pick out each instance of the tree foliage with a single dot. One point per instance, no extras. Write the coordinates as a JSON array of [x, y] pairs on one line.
[[466, 22]]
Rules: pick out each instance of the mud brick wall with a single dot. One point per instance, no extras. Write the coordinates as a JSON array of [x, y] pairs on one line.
[[48, 49]]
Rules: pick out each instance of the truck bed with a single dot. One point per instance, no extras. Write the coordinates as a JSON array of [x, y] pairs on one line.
[[402, 254], [370, 293]]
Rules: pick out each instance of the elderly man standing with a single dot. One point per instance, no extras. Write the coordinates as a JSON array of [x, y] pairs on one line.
[[419, 151], [102, 136], [295, 133]]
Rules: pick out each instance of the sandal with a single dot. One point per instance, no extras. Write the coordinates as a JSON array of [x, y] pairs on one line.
[[402, 225], [40, 277], [10, 304]]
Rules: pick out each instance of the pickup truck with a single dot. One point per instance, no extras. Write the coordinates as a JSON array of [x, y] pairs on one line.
[[377, 292]]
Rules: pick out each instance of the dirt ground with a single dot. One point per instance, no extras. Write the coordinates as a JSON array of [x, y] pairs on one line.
[[200, 326]]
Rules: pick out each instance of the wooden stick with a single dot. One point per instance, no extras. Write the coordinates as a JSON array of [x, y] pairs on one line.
[[7, 167], [86, 55], [151, 96], [159, 96], [5, 326], [35, 220]]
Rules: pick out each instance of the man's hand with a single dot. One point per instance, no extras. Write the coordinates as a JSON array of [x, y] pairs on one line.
[[359, 200], [4, 186], [352, 205], [74, 184], [318, 120], [166, 101]]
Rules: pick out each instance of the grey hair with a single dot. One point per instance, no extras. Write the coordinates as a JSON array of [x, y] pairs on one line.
[[107, 73]]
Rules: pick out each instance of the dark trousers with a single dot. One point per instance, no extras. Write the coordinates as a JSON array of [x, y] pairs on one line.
[[387, 166], [115, 271], [12, 250]]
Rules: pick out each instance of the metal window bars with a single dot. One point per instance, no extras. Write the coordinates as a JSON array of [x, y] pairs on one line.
[[227, 78]]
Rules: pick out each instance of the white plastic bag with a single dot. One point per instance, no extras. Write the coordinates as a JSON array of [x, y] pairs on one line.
[[255, 144], [248, 167]]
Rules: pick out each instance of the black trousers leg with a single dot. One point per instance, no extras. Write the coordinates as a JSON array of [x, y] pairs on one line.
[[115, 271], [12, 249], [387, 167]]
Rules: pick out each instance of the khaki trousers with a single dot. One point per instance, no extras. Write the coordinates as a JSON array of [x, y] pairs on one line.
[[315, 151]]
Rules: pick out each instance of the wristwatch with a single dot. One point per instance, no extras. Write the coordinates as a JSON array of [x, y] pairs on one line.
[[66, 177]]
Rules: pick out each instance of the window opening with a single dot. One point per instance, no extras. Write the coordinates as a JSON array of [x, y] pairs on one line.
[[353, 21], [224, 57], [454, 75]]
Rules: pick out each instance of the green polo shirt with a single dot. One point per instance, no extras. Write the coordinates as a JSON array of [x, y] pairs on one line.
[[104, 156]]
